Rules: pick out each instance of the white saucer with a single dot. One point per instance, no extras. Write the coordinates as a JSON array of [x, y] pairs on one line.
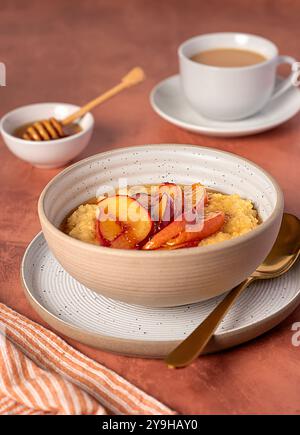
[[168, 101], [79, 313]]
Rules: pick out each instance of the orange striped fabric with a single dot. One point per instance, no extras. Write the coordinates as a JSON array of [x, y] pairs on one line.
[[41, 374]]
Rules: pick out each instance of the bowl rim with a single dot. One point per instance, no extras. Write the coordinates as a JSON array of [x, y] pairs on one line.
[[21, 141], [197, 250]]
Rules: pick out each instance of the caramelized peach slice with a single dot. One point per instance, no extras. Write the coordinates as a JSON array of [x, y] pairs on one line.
[[123, 221], [179, 225], [164, 208], [109, 229], [124, 241], [171, 188], [180, 246], [212, 223], [144, 199], [196, 197], [175, 233], [166, 234], [198, 191], [175, 194], [99, 236]]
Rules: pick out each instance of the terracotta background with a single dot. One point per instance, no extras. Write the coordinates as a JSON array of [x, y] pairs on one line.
[[70, 52]]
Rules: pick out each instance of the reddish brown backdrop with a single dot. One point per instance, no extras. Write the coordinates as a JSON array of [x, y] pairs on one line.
[[71, 51]]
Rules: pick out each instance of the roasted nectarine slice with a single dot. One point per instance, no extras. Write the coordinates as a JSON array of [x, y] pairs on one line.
[[180, 246], [166, 234], [199, 194], [162, 209], [110, 229], [123, 221], [125, 241], [175, 233], [144, 199], [191, 216], [99, 236], [211, 224], [195, 197], [175, 194]]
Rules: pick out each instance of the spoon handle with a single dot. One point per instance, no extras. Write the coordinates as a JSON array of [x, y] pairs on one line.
[[135, 76], [193, 345]]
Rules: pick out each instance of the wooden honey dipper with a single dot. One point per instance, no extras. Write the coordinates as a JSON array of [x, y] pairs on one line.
[[52, 128]]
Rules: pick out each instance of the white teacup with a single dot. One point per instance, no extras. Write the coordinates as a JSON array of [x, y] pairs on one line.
[[231, 93]]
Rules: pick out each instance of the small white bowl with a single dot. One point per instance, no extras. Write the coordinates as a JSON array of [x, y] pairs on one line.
[[45, 154]]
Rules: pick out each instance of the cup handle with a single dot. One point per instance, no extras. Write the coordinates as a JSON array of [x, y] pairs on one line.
[[286, 83]]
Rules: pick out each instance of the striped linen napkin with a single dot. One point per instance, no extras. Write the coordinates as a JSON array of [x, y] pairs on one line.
[[41, 374]]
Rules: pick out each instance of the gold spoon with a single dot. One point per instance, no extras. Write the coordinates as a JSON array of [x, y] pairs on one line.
[[283, 255]]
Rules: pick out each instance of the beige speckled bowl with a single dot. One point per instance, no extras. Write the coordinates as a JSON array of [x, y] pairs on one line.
[[162, 278]]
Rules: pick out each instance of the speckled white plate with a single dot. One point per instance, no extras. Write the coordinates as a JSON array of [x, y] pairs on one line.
[[168, 102], [79, 313]]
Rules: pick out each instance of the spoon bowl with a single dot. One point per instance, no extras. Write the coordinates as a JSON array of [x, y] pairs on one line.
[[285, 250]]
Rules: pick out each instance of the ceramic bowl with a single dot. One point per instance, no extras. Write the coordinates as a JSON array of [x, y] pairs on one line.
[[45, 154], [161, 278]]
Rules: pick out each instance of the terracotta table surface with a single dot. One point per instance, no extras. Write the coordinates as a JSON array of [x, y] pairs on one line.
[[57, 52]]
